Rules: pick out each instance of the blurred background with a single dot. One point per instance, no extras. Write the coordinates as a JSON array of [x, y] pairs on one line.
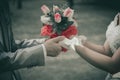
[[93, 17]]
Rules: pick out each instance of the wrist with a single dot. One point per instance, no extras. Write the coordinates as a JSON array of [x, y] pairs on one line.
[[84, 42], [83, 39]]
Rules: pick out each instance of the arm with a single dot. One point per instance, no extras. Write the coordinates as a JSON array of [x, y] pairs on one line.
[[29, 43], [103, 49], [27, 57], [107, 63], [30, 56], [50, 48]]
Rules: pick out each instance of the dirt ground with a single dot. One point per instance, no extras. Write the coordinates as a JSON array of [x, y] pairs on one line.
[[92, 22]]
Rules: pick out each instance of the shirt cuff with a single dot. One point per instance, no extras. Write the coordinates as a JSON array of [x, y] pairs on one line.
[[44, 51]]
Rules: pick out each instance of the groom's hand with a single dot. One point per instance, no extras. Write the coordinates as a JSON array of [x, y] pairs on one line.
[[52, 46]]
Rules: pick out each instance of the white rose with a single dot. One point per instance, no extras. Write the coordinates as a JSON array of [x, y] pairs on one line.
[[55, 8], [45, 19]]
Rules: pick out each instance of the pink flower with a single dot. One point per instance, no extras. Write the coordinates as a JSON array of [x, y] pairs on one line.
[[68, 12], [45, 9], [57, 17], [55, 8]]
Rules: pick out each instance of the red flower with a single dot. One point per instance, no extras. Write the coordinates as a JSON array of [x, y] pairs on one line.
[[53, 35], [55, 8], [46, 30], [72, 30]]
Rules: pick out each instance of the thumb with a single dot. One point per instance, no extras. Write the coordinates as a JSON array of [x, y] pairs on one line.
[[57, 39]]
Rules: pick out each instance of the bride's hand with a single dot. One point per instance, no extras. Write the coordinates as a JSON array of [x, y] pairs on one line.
[[72, 42], [82, 38]]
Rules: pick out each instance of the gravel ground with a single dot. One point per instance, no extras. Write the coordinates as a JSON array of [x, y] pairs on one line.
[[92, 20]]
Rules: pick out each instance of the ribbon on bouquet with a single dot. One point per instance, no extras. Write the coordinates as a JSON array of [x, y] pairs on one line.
[[70, 43]]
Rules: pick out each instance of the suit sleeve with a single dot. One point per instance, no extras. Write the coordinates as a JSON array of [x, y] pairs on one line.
[[28, 43], [26, 57]]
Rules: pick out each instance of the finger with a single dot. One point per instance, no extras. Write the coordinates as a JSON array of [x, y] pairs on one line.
[[58, 47], [64, 45], [57, 51], [57, 39]]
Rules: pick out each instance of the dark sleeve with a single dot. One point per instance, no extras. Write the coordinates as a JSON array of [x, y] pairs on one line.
[[28, 57]]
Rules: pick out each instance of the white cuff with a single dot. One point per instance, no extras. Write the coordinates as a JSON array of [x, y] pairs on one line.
[[44, 51]]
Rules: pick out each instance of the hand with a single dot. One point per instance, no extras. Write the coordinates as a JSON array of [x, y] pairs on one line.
[[70, 43], [52, 46], [83, 39]]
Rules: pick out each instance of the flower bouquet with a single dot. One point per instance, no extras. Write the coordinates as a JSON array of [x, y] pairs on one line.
[[59, 22]]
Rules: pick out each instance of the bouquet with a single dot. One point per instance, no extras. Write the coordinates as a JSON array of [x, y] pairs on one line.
[[59, 22]]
